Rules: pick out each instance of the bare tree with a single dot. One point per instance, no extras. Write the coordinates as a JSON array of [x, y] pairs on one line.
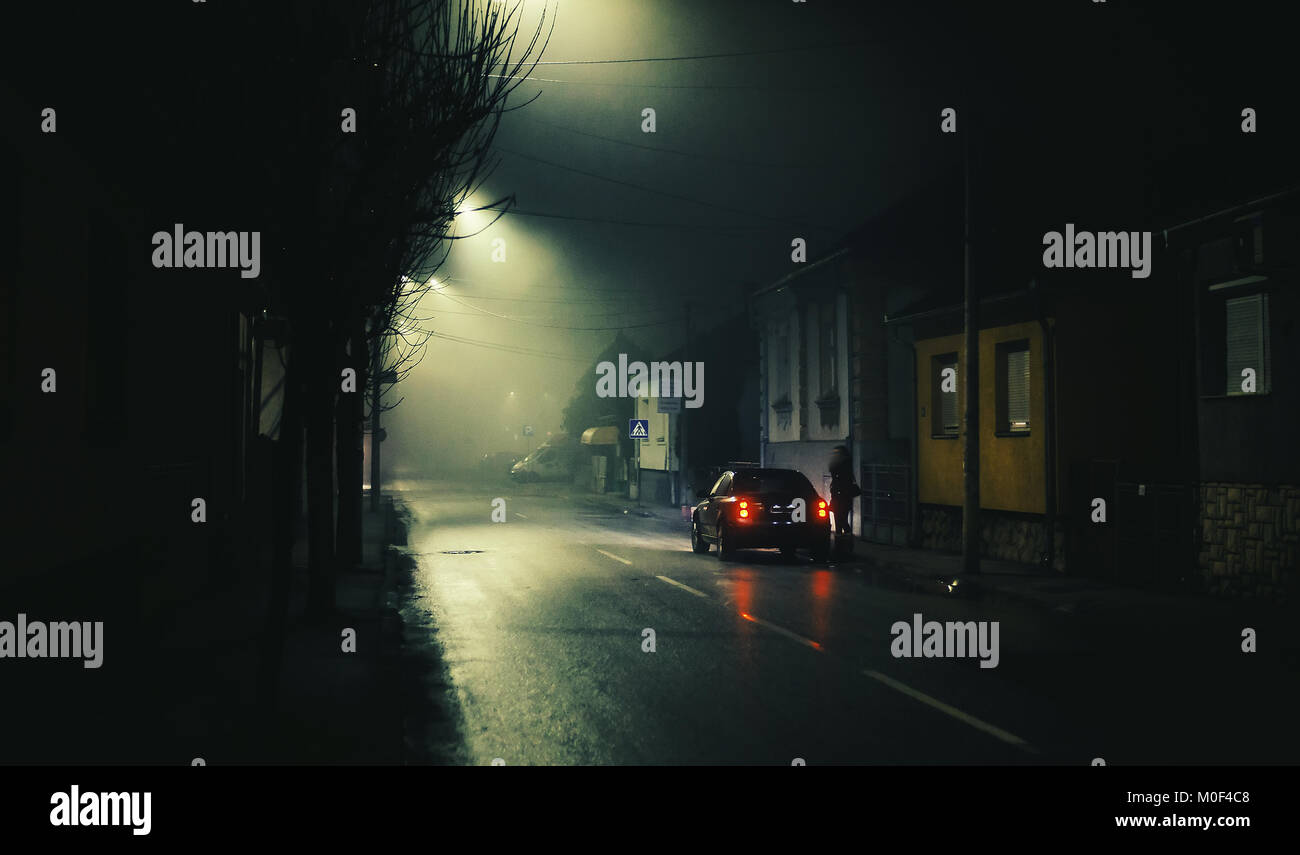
[[379, 117], [433, 106]]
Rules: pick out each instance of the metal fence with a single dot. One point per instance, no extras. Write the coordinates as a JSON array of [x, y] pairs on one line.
[[886, 509]]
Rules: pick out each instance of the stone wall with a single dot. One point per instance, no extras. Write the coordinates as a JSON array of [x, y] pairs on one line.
[[1005, 536], [1249, 538]]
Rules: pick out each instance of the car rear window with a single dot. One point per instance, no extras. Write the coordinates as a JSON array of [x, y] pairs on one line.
[[771, 481]]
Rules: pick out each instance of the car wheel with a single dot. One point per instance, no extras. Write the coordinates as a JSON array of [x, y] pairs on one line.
[[725, 550], [698, 544]]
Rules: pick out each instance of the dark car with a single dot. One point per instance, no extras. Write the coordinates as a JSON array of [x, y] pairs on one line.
[[754, 507], [497, 465]]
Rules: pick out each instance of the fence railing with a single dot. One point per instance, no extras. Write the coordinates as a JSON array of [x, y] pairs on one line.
[[885, 504]]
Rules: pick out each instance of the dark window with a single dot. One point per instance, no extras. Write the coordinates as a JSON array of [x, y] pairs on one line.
[[826, 344], [781, 365], [1246, 343], [944, 419], [1013, 387]]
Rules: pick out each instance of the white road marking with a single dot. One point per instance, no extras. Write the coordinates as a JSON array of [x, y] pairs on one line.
[[965, 718], [612, 555], [683, 587], [947, 709], [782, 630], [521, 516]]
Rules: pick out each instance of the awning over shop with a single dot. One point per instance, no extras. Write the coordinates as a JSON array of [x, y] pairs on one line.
[[600, 436]]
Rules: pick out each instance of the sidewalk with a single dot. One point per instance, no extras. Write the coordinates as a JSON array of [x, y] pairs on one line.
[[333, 706], [939, 573]]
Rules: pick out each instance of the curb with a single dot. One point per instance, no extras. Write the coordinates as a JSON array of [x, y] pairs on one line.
[[961, 586]]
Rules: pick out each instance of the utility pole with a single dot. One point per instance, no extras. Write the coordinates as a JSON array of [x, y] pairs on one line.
[[684, 491], [970, 518]]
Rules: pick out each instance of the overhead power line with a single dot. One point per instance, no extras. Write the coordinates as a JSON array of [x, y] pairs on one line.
[[754, 87], [727, 55], [609, 221], [541, 354], [675, 319], [677, 196], [697, 154], [631, 298]]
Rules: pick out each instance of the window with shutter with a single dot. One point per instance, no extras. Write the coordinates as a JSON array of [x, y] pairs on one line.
[[1013, 367], [1018, 390], [1246, 321], [944, 418]]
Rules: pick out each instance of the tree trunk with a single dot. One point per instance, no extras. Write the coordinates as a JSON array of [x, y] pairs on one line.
[[322, 384], [286, 457], [350, 413], [376, 367]]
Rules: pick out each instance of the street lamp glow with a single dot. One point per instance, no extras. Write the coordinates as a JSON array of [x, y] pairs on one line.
[[469, 217]]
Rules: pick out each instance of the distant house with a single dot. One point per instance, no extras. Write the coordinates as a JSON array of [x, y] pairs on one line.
[[155, 389], [685, 444], [1141, 430], [658, 457], [1015, 422], [1082, 398], [1238, 268], [832, 374]]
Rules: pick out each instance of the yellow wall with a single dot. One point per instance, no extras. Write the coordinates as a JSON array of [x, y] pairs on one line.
[[1011, 468]]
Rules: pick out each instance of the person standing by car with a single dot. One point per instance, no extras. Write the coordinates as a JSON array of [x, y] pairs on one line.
[[843, 491]]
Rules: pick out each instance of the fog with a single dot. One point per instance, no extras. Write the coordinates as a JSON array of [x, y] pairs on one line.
[[706, 204]]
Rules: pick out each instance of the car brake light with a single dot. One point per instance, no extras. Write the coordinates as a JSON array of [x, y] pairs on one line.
[[821, 509], [743, 512]]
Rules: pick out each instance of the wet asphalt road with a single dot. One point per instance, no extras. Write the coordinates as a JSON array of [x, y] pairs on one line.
[[757, 660]]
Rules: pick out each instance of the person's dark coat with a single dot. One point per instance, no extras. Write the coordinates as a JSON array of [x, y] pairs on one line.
[[843, 488]]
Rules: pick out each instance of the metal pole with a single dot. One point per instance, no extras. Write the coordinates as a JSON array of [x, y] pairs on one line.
[[683, 464], [970, 528]]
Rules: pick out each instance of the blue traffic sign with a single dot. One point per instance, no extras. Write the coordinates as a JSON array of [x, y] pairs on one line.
[[638, 428]]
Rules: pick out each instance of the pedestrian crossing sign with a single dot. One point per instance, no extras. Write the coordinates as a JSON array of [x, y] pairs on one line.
[[638, 428]]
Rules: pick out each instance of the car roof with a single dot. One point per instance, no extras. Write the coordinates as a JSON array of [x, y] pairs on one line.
[[761, 469]]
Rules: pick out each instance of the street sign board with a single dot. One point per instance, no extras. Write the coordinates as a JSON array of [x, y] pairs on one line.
[[638, 428], [528, 430]]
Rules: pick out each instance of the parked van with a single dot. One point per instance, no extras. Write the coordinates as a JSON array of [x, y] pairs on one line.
[[547, 463]]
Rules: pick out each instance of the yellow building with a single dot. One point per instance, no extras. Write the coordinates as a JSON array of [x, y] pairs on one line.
[[1011, 419]]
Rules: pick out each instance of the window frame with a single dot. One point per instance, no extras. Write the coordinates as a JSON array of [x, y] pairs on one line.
[[1212, 346], [938, 362], [782, 387], [827, 349], [1002, 403], [1264, 371]]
